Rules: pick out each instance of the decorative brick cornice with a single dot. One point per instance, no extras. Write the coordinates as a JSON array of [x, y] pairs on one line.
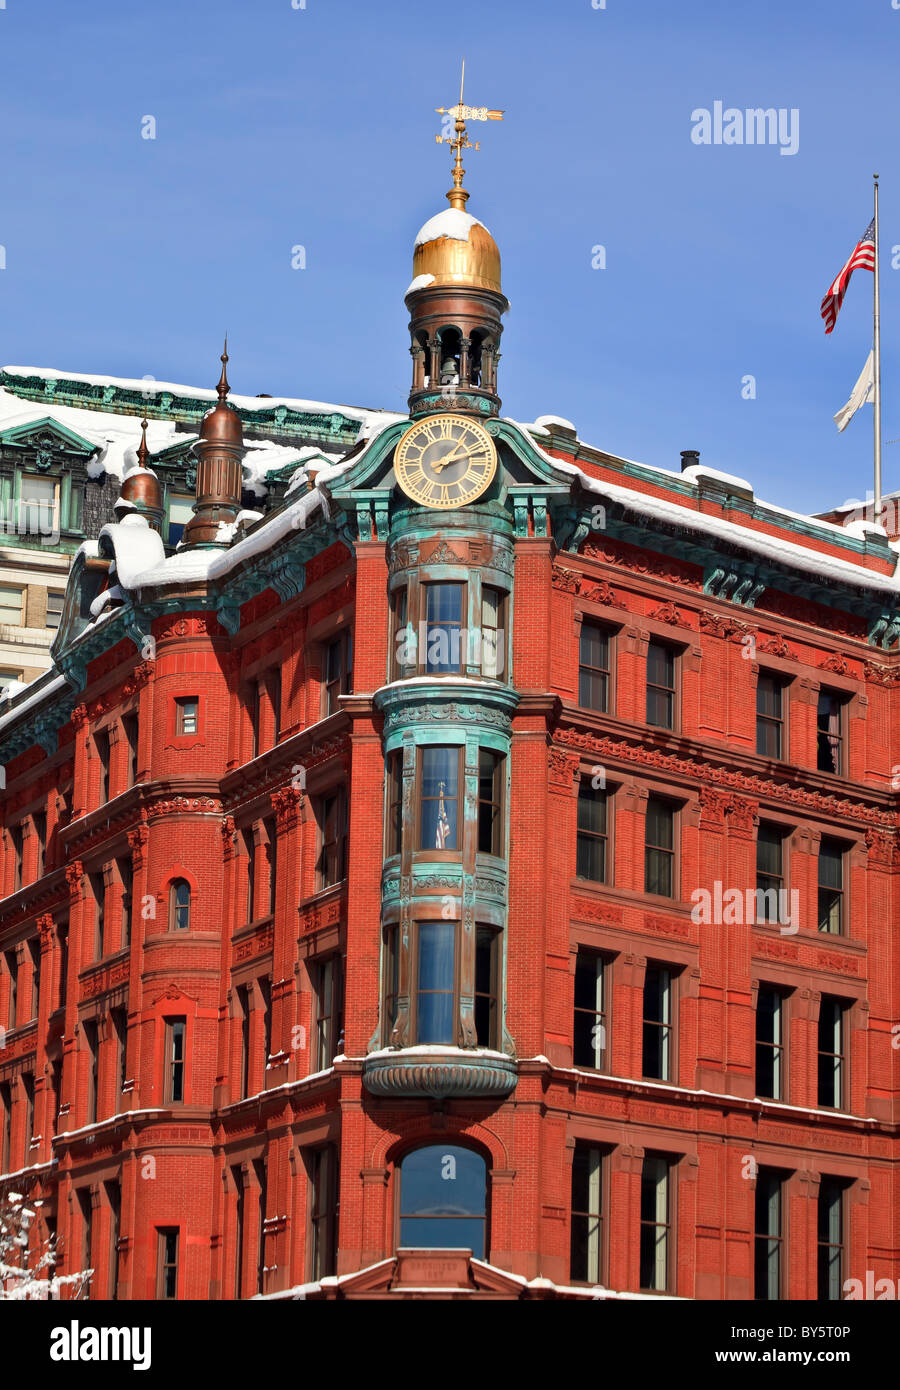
[[701, 770], [74, 877]]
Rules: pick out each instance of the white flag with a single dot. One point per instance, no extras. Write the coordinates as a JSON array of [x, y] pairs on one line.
[[863, 392]]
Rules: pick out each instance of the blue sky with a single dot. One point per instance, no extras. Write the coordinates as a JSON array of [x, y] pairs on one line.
[[279, 127]]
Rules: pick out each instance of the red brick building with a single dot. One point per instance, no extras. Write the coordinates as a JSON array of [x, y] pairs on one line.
[[486, 848]]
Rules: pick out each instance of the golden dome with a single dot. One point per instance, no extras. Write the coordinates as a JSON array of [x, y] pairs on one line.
[[454, 248]]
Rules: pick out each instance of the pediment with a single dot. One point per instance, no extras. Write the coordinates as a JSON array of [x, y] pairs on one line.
[[46, 437]]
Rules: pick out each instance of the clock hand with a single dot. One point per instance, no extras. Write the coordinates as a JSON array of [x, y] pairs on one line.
[[447, 459]]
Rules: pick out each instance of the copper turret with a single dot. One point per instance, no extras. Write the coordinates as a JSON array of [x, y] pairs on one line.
[[141, 493], [219, 452]]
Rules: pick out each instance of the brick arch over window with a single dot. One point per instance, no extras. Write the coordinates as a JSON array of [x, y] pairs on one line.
[[392, 1149]]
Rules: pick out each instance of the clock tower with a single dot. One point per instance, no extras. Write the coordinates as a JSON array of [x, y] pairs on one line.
[[455, 300]]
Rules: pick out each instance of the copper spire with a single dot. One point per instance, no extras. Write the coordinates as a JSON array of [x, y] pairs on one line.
[[458, 196], [223, 388], [143, 453]]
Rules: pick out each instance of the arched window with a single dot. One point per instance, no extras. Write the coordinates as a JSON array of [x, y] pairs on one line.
[[443, 1200], [180, 905]]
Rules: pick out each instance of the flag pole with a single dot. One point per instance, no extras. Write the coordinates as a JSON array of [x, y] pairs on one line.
[[876, 371]]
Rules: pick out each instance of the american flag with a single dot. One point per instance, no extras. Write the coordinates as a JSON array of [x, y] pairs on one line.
[[443, 824], [863, 257]]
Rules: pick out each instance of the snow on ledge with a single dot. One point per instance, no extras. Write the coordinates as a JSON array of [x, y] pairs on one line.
[[696, 472], [421, 282]]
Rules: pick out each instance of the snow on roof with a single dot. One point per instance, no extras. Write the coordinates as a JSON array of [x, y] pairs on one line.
[[452, 223], [770, 547], [543, 421], [136, 547], [421, 282], [695, 472], [152, 387]]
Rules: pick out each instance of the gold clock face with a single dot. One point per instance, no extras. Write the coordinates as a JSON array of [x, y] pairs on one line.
[[446, 461]]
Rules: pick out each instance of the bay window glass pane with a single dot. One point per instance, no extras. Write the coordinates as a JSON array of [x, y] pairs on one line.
[[440, 798], [443, 620], [436, 982]]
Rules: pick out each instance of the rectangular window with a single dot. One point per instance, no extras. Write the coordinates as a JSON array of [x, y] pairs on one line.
[[17, 839], [28, 1088], [830, 1271], [273, 680], [395, 802], [391, 980], [832, 1052], [181, 509], [328, 1011], [830, 731], [238, 1180], [659, 848], [592, 836], [243, 998], [55, 601], [271, 830], [98, 892], [323, 1216], [590, 1010], [187, 715], [34, 950], [251, 700], [768, 1235], [402, 640], [119, 1019], [265, 990], [167, 1263], [655, 1222], [491, 768], [657, 1023], [770, 893], [114, 1197], [261, 1168], [337, 668], [443, 628], [593, 667], [661, 685], [5, 1125], [40, 834], [11, 605], [101, 741], [249, 840], [39, 505], [131, 727], [174, 1090], [126, 874], [770, 716], [439, 772], [85, 1202], [93, 1050], [436, 983], [493, 635], [63, 935], [333, 833], [487, 965], [55, 1093], [12, 971], [831, 886], [770, 1043], [586, 1236]]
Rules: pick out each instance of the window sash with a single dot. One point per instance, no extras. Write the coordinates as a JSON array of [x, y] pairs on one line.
[[436, 983], [660, 685], [167, 1278], [439, 790], [12, 605], [659, 848], [486, 990], [831, 887], [830, 1243], [586, 1237], [769, 717], [490, 801], [175, 1038], [657, 1023], [592, 834], [769, 1044], [444, 606], [594, 667], [768, 1236], [589, 1030], [655, 1224], [830, 732], [831, 1053]]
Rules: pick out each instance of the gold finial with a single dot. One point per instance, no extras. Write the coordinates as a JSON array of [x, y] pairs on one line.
[[457, 197], [143, 452], [223, 388]]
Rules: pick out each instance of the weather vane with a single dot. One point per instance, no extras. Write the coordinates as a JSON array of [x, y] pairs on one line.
[[460, 141]]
